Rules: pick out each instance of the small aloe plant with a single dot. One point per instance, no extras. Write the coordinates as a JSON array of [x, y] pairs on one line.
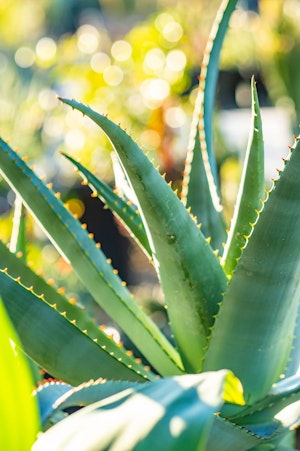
[[230, 381]]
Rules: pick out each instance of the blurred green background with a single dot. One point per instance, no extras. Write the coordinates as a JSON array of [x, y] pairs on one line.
[[139, 62]]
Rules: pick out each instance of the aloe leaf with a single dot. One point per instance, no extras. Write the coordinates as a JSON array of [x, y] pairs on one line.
[[55, 397], [47, 394], [293, 364], [121, 182], [280, 409], [50, 339], [203, 203], [200, 184], [204, 106], [251, 190], [123, 210], [231, 437], [90, 264], [172, 413], [19, 413], [263, 295], [17, 269], [189, 271], [18, 237]]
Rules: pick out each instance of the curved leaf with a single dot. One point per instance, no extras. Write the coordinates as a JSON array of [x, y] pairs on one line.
[[254, 330], [58, 345], [171, 413], [191, 276], [90, 264], [19, 413], [202, 202], [200, 182], [123, 210], [251, 190], [55, 397]]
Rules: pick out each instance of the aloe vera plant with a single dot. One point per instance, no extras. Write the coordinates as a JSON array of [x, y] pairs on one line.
[[230, 381]]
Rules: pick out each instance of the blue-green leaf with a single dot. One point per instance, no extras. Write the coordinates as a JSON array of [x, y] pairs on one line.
[[123, 210], [190, 273], [91, 265], [254, 330], [251, 190], [169, 414]]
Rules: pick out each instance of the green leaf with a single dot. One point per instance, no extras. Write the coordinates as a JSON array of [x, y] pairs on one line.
[[191, 276], [254, 330], [90, 264], [19, 413], [54, 397], [251, 190], [171, 414], [18, 270], [278, 412], [123, 210], [200, 182], [231, 437], [58, 345], [202, 199], [204, 106], [18, 237]]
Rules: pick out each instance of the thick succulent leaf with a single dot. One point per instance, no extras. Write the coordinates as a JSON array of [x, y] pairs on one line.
[[18, 237], [19, 412], [285, 443], [91, 265], [58, 345], [230, 437], [47, 395], [172, 413], [125, 211], [203, 203], [254, 330], [282, 394], [251, 190], [121, 182], [274, 415], [200, 192], [191, 276], [293, 365], [76, 315], [208, 80], [55, 397]]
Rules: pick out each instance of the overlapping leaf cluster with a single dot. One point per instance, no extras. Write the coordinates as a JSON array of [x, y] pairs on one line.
[[231, 377]]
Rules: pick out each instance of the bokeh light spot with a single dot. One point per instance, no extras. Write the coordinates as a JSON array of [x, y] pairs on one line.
[[24, 57], [47, 99], [121, 50], [176, 60], [155, 91], [46, 49], [76, 206], [154, 60], [75, 139], [99, 62], [88, 39], [175, 117], [172, 31], [113, 75]]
